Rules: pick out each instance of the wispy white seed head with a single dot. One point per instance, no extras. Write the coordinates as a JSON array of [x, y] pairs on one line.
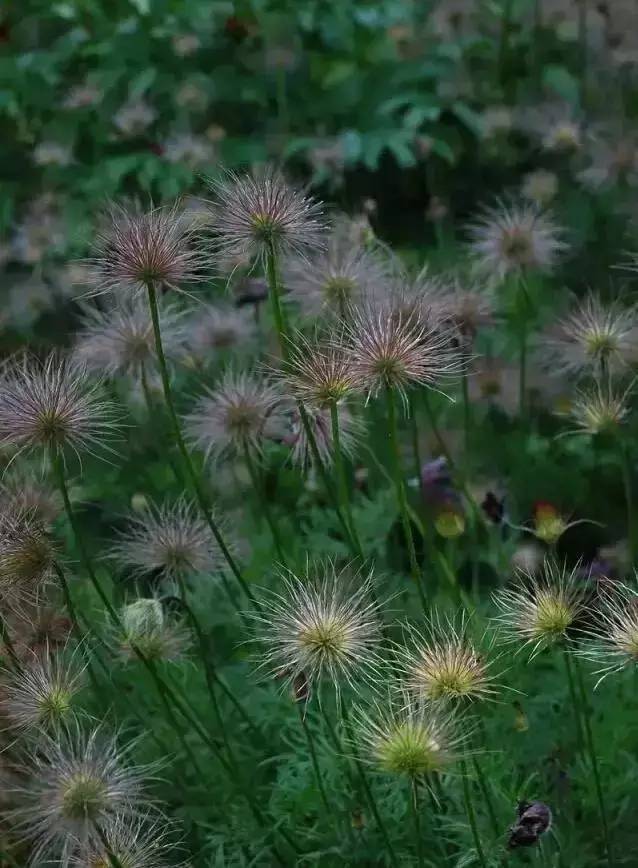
[[170, 540], [137, 247], [541, 610], [442, 662], [323, 624], [253, 214], [146, 628], [404, 736], [77, 781], [612, 642], [41, 693], [119, 339], [27, 557], [514, 238], [141, 842], [598, 409], [540, 187], [318, 372], [216, 329], [240, 413], [390, 350], [332, 281], [595, 337], [53, 404], [351, 430]]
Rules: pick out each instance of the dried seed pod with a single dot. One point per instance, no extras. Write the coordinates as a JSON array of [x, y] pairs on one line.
[[534, 819]]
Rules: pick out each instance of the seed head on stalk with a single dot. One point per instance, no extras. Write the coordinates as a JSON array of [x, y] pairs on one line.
[[147, 628], [252, 214], [598, 409], [53, 404], [324, 624], [593, 337], [240, 413], [351, 431], [542, 610], [318, 373], [135, 248], [170, 540], [443, 663], [404, 736], [78, 781], [27, 491], [27, 558], [143, 842], [514, 238], [612, 642]]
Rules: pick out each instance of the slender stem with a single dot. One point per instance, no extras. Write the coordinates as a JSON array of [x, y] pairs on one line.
[[582, 44], [573, 699], [342, 483], [302, 708], [7, 641], [591, 748], [522, 369], [366, 788], [467, 417], [504, 43], [485, 793], [401, 495], [629, 499], [263, 502], [68, 601], [190, 469], [471, 815], [414, 430], [413, 798]]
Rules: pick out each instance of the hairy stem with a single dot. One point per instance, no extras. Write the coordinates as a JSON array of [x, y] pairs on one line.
[[342, 483], [415, 809], [471, 815]]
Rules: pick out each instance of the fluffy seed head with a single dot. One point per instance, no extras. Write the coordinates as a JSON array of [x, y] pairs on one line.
[[119, 340], [324, 624], [407, 737], [146, 628], [252, 214], [169, 540], [510, 239], [239, 414], [598, 409], [463, 308], [52, 404], [41, 693], [136, 248], [27, 556], [215, 329], [541, 610], [320, 422], [595, 337], [613, 641], [318, 373], [442, 663], [334, 280], [78, 780], [137, 843], [388, 349], [24, 491]]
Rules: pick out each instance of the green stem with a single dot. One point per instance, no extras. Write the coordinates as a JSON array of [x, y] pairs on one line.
[[401, 495], [263, 502], [7, 641], [487, 798], [414, 430], [342, 483], [503, 49], [591, 748], [367, 790], [471, 815], [467, 416], [68, 601], [413, 798], [629, 499], [190, 469], [522, 369], [573, 699], [582, 44]]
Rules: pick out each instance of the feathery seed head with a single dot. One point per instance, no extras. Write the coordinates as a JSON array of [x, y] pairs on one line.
[[253, 214], [27, 556], [514, 238], [137, 248], [135, 843], [320, 423], [41, 693], [540, 187], [52, 404], [24, 491], [239, 414], [389, 350], [613, 641], [318, 373], [324, 624], [407, 737], [78, 781], [541, 610], [595, 337], [443, 663], [215, 329], [598, 409], [170, 540], [147, 629], [119, 340]]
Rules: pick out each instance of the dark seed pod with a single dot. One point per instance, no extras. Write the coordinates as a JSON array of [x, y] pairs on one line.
[[493, 507], [534, 819]]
